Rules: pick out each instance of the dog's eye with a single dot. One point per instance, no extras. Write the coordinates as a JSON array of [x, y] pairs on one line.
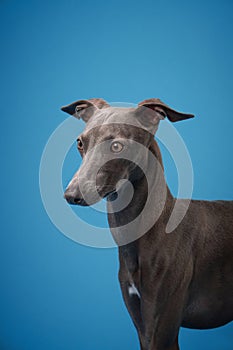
[[80, 144], [116, 146]]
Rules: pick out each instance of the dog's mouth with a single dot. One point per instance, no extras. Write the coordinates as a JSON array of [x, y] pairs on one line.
[[111, 196], [104, 193], [107, 193]]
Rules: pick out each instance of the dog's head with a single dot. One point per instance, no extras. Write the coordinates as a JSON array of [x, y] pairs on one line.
[[112, 145]]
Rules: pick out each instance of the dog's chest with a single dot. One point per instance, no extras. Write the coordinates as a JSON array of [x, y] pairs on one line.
[[131, 269], [133, 291]]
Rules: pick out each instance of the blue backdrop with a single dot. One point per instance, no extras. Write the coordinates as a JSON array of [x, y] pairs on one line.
[[57, 294]]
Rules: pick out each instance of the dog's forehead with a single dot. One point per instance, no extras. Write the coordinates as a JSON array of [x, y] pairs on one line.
[[114, 122], [111, 115]]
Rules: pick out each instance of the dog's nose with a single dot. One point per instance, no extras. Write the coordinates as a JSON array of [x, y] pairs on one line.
[[71, 199]]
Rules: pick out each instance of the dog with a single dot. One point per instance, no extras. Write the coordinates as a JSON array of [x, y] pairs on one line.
[[168, 280]]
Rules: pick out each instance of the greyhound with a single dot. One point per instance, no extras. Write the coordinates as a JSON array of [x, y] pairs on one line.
[[168, 281]]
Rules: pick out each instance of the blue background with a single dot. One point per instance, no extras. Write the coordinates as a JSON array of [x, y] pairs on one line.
[[57, 294]]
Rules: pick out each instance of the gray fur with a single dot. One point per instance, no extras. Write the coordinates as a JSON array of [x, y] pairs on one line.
[[184, 278]]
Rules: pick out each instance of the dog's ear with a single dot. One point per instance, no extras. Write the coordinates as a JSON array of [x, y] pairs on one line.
[[84, 109], [153, 110]]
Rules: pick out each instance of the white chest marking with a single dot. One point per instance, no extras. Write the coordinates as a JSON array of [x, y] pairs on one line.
[[133, 290]]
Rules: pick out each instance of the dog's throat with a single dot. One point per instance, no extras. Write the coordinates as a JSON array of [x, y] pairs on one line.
[[142, 211]]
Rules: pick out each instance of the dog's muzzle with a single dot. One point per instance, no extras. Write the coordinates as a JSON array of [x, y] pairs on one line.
[[73, 198], [73, 194]]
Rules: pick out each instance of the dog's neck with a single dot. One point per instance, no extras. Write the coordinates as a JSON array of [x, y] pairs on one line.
[[150, 203]]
